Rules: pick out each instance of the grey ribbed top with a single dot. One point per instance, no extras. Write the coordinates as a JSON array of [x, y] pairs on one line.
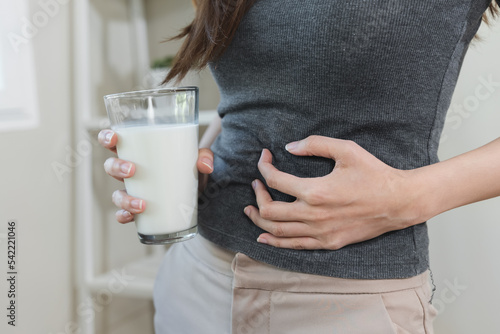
[[379, 72]]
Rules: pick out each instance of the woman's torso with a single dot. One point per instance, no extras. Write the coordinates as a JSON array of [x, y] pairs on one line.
[[378, 72]]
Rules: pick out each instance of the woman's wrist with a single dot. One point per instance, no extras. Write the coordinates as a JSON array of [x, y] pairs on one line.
[[410, 204], [424, 198], [467, 178]]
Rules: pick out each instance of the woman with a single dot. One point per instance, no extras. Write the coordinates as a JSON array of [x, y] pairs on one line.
[[324, 168]]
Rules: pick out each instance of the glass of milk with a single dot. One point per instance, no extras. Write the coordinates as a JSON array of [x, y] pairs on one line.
[[158, 131]]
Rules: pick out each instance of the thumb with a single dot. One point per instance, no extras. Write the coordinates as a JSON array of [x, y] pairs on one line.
[[332, 148], [205, 161]]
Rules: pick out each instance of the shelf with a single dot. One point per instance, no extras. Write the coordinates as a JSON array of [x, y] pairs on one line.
[[137, 278]]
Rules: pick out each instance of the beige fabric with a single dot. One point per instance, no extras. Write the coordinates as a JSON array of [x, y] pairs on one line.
[[270, 300], [204, 289]]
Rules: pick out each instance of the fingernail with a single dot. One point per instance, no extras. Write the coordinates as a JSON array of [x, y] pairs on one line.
[[126, 214], [261, 240], [291, 146], [137, 204], [126, 168], [247, 211], [254, 184], [108, 137], [207, 163]]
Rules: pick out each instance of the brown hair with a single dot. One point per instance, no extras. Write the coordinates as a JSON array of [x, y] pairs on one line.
[[209, 35], [494, 11], [213, 28]]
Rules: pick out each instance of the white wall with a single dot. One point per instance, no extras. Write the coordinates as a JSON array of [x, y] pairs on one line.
[[464, 242], [31, 193]]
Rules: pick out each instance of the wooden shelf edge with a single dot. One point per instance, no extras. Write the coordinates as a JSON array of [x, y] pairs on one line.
[[135, 279]]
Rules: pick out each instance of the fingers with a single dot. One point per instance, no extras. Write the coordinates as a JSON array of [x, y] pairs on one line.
[[119, 169], [107, 138], [274, 210], [279, 229], [205, 161], [128, 203], [205, 165], [291, 243], [332, 148], [286, 183], [123, 216], [269, 211]]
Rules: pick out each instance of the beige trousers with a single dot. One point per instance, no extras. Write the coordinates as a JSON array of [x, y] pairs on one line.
[[202, 288]]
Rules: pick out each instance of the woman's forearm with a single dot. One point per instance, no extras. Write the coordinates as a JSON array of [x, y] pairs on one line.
[[211, 133], [468, 178]]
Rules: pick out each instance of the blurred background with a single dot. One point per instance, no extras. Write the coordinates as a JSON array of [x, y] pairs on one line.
[[78, 271]]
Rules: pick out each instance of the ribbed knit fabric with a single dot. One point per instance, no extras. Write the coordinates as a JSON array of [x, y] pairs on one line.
[[378, 72]]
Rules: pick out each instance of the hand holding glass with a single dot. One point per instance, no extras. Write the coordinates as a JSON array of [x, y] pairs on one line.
[[158, 131]]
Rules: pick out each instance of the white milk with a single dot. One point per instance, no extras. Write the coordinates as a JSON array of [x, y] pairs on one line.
[[166, 176]]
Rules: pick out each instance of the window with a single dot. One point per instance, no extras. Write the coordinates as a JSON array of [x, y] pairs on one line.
[[18, 98]]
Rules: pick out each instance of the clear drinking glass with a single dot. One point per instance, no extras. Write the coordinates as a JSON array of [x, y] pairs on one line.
[[158, 131]]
